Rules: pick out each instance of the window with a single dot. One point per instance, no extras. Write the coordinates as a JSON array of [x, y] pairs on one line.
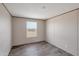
[[31, 29]]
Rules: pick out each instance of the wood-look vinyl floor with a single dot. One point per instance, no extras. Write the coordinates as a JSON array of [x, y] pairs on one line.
[[38, 49]]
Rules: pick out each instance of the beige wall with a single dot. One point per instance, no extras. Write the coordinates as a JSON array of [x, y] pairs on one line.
[[19, 31], [62, 32], [78, 33], [5, 31]]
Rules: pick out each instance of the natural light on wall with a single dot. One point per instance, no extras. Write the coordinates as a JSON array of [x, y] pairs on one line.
[[31, 29]]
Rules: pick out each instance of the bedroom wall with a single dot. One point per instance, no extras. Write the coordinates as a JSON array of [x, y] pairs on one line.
[[78, 32], [19, 31], [5, 31], [62, 32]]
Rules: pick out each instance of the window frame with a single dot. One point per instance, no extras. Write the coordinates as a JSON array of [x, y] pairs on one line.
[[27, 36]]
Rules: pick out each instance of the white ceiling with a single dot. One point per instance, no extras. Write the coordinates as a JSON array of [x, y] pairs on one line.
[[39, 10]]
